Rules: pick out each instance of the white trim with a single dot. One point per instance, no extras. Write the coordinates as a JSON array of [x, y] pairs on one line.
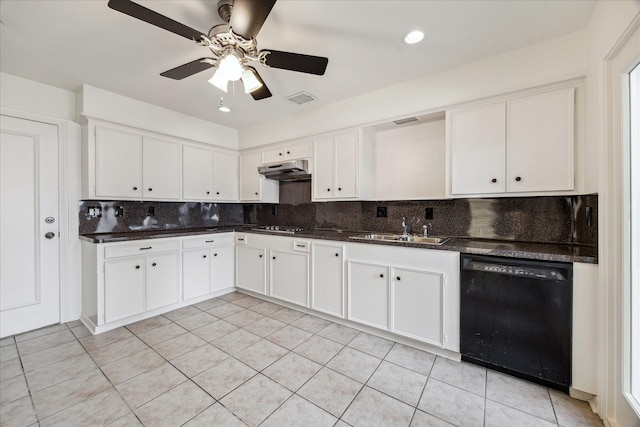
[[612, 237], [69, 178]]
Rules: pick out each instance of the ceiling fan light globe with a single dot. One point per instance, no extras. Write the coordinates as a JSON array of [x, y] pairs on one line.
[[250, 81], [219, 81], [231, 68]]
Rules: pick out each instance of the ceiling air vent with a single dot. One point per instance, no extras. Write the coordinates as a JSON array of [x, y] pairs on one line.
[[301, 98], [405, 121]]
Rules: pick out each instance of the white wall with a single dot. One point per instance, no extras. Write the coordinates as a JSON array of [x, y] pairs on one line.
[[550, 61], [26, 95], [98, 103]]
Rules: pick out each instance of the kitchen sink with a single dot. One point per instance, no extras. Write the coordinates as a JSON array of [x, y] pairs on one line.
[[401, 238]]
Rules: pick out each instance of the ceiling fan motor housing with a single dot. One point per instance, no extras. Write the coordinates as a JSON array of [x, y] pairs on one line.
[[224, 10]]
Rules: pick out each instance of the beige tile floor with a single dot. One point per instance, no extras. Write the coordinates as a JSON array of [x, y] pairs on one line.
[[237, 360]]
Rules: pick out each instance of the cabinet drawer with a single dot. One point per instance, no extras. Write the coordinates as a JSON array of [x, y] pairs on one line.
[[144, 247], [301, 246], [207, 240]]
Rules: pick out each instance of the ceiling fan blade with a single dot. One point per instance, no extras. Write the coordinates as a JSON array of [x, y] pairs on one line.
[[154, 18], [248, 16], [262, 92], [188, 69], [296, 62]]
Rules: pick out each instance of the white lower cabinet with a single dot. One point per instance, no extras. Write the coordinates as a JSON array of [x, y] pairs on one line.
[[406, 291], [417, 304], [137, 283], [208, 265], [369, 294], [251, 270], [124, 288], [327, 284], [289, 276]]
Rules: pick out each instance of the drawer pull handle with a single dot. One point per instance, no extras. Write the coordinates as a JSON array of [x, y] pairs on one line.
[[398, 278], [494, 180], [208, 241], [150, 189], [300, 245], [215, 254], [137, 267], [381, 275], [204, 256], [145, 249], [154, 264], [518, 179], [260, 256], [337, 254], [273, 258], [135, 188]]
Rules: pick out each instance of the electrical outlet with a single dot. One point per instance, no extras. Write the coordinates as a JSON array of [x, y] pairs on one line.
[[274, 210], [151, 211], [428, 213], [381, 212], [94, 212]]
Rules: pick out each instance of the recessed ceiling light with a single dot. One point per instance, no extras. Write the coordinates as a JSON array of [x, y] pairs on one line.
[[413, 37]]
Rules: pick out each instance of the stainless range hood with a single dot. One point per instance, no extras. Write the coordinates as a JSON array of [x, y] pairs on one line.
[[295, 170]]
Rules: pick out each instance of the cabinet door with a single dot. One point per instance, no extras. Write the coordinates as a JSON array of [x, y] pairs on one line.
[[195, 273], [163, 283], [289, 279], [477, 143], [118, 163], [540, 142], [274, 155], [324, 168], [253, 186], [225, 176], [197, 173], [124, 290], [328, 279], [251, 270], [160, 169], [301, 150], [347, 164], [369, 294], [417, 304], [222, 268]]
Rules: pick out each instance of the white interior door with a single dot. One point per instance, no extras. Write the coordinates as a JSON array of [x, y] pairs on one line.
[[29, 223]]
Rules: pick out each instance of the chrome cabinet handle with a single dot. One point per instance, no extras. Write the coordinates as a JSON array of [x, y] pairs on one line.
[[50, 235]]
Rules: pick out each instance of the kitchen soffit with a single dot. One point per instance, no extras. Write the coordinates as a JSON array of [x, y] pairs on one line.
[[69, 43]]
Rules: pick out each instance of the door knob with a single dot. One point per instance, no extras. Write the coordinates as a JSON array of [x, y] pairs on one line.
[[50, 235]]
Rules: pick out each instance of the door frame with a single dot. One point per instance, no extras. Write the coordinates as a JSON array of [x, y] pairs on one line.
[[614, 309], [69, 179]]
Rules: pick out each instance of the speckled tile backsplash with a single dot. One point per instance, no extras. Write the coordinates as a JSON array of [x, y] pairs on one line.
[[569, 219], [166, 216]]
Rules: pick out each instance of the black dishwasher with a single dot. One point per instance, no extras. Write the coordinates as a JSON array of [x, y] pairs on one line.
[[515, 317]]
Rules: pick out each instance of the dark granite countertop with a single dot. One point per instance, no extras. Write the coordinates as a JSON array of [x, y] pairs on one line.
[[511, 249]]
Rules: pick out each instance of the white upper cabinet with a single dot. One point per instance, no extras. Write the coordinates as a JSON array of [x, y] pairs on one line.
[[294, 151], [478, 150], [197, 166], [342, 167], [225, 176], [521, 145], [130, 165], [160, 169], [540, 135], [209, 174], [118, 163], [253, 186]]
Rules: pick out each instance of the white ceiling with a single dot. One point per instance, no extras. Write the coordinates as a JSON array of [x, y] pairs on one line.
[[66, 43]]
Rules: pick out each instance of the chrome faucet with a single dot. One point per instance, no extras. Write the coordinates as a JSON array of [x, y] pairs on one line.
[[425, 230], [404, 227]]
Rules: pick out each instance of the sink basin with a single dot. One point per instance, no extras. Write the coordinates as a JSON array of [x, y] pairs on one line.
[[400, 238]]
